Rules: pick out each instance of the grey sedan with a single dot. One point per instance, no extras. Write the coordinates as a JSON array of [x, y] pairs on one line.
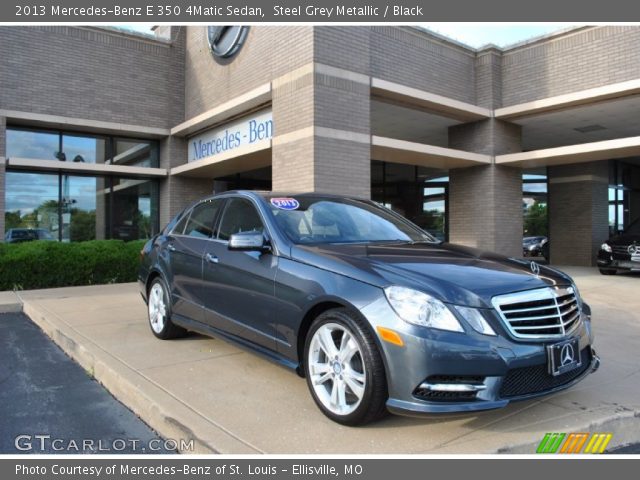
[[375, 313]]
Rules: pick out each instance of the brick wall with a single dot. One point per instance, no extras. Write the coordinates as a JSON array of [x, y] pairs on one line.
[[417, 59], [268, 53], [91, 73], [588, 58], [485, 202], [578, 212]]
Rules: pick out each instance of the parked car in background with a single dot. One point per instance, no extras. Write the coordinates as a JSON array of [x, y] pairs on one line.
[[376, 313], [621, 253], [535, 246], [17, 235]]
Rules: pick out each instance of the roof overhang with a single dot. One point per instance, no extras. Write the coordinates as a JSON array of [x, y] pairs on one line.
[[586, 152], [84, 168], [81, 124], [569, 100], [412, 97], [400, 151], [225, 111]]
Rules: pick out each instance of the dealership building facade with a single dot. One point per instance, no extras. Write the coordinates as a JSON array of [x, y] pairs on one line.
[[108, 134]]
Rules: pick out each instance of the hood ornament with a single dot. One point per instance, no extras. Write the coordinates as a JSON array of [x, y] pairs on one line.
[[535, 268]]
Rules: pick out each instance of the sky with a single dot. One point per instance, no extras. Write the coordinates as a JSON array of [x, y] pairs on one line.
[[475, 35]]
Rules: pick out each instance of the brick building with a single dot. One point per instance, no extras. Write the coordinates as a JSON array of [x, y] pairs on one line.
[[106, 134]]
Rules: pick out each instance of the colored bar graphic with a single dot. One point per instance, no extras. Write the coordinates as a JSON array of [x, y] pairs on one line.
[[574, 442]]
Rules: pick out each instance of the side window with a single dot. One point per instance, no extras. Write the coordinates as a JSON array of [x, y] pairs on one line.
[[239, 216], [179, 228], [200, 223]]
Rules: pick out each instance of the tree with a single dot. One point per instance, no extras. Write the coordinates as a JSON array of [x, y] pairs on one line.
[[535, 220], [83, 225], [12, 220]]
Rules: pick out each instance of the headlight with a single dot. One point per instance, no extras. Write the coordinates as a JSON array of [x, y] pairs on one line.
[[578, 297], [421, 309], [476, 320], [606, 247]]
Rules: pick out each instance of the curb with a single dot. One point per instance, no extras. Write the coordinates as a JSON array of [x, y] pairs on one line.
[[10, 302], [165, 414]]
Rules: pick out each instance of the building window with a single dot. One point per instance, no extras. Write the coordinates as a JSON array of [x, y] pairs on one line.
[[78, 208], [624, 193], [534, 203], [417, 193], [80, 148]]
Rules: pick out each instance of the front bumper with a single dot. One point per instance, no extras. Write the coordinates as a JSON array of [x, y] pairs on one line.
[[494, 370], [608, 260]]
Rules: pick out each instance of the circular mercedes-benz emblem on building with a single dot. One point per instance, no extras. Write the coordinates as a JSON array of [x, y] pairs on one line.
[[225, 41], [566, 355]]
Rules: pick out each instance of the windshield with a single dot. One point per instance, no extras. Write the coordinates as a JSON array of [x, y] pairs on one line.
[[309, 220]]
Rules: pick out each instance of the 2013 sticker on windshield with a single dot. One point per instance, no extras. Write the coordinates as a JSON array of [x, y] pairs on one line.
[[285, 203]]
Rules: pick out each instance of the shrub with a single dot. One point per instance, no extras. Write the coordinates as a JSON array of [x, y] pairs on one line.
[[43, 264]]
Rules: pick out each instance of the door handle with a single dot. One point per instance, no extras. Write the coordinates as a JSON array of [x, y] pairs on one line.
[[211, 258], [171, 248]]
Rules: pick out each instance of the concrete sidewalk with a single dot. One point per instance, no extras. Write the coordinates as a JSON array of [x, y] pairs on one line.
[[231, 401]]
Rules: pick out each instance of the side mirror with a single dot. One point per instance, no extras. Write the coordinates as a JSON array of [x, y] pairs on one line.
[[248, 241]]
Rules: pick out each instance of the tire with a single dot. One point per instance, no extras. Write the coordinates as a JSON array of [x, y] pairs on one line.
[[607, 271], [159, 312], [355, 391]]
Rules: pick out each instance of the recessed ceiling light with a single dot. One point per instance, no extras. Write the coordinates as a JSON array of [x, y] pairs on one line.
[[590, 128]]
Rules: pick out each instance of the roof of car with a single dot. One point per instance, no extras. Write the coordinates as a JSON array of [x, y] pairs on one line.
[[270, 194]]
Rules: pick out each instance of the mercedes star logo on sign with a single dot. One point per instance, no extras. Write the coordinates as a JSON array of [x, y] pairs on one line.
[[566, 355], [225, 41]]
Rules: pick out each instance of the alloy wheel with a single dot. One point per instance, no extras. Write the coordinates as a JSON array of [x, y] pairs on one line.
[[157, 308], [336, 368]]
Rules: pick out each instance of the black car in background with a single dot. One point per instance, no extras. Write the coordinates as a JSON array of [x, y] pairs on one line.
[[19, 235], [621, 253]]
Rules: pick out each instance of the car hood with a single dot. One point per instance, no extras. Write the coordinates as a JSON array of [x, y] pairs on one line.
[[624, 239], [451, 273]]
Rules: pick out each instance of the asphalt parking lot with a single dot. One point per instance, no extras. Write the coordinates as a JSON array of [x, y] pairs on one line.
[[230, 401], [51, 405]]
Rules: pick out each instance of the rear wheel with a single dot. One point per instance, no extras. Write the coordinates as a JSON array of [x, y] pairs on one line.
[[344, 369], [159, 310], [607, 271]]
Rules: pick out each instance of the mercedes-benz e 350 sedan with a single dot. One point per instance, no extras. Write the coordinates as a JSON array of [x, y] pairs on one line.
[[374, 312]]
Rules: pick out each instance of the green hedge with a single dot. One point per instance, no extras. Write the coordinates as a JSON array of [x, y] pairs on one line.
[[42, 264]]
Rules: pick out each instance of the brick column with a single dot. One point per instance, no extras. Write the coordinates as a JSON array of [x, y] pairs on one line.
[[485, 202], [321, 115], [3, 130], [578, 212], [177, 192]]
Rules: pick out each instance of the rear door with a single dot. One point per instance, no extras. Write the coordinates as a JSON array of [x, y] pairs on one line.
[[185, 247]]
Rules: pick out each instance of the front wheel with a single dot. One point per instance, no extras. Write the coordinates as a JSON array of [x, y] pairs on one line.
[[344, 369], [159, 310]]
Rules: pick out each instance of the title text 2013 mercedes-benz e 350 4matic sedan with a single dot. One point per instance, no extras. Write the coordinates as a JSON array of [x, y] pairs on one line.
[[374, 312]]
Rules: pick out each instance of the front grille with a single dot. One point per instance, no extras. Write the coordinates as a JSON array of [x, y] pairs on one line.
[[541, 313], [621, 251], [536, 379]]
